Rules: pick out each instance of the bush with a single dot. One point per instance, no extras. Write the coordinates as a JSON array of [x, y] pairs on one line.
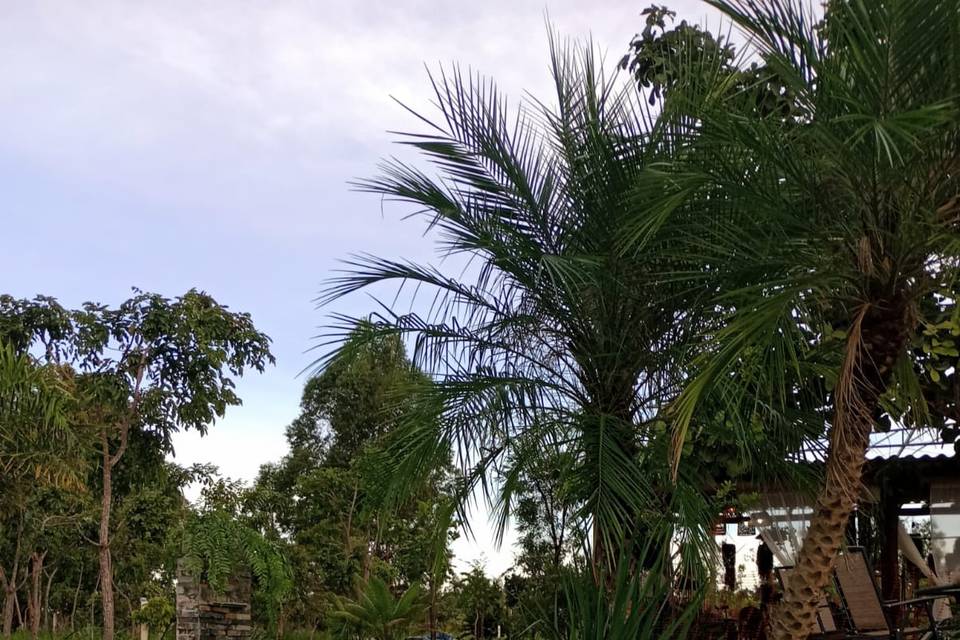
[[156, 614]]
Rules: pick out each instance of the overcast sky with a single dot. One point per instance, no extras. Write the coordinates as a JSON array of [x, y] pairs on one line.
[[169, 145]]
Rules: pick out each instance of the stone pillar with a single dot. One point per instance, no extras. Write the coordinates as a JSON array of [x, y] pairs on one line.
[[203, 614]]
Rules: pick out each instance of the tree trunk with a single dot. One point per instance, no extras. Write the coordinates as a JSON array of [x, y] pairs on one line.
[[9, 583], [7, 613], [33, 604], [109, 462], [106, 566], [76, 596], [16, 604], [432, 613], [875, 341], [46, 600], [889, 558]]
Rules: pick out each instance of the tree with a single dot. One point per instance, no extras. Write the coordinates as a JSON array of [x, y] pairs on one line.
[[828, 235], [376, 613], [325, 499], [480, 601], [38, 449], [553, 334], [151, 364]]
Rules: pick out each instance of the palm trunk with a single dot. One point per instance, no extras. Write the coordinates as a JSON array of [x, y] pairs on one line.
[[106, 565], [875, 341]]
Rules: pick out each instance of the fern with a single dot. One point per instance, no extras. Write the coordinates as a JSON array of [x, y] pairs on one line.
[[216, 545]]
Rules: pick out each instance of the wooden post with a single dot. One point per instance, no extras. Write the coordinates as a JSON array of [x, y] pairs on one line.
[[144, 629], [889, 558]]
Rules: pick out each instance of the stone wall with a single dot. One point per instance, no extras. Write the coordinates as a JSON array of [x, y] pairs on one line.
[[203, 614]]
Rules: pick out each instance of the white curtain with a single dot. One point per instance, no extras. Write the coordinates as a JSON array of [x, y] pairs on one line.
[[941, 608], [945, 528], [782, 524]]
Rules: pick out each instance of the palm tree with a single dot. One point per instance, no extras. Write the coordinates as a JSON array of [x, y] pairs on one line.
[[37, 448], [825, 232], [552, 334], [377, 614]]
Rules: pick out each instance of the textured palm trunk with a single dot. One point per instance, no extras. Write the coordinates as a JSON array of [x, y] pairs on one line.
[[876, 339]]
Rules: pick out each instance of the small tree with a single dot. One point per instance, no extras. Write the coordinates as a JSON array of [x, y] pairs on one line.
[[152, 363], [377, 613]]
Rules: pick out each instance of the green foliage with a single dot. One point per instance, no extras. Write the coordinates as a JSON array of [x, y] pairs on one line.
[[37, 443], [480, 603], [325, 502], [376, 613], [216, 545], [555, 335], [168, 360], [136, 374], [156, 613], [661, 59], [631, 606]]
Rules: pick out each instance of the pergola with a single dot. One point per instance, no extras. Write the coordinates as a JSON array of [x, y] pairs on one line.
[[902, 466]]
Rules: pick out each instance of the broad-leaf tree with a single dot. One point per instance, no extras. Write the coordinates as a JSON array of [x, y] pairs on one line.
[[151, 364]]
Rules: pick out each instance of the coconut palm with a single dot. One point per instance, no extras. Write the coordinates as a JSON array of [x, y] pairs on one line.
[[551, 334], [826, 232]]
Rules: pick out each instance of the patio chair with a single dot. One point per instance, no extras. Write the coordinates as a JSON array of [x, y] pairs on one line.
[[826, 624], [868, 614]]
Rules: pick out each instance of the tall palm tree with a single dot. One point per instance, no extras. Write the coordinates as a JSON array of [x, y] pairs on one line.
[[552, 333], [824, 231]]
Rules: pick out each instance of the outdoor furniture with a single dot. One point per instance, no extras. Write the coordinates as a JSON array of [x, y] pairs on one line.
[[868, 614], [946, 591], [826, 625]]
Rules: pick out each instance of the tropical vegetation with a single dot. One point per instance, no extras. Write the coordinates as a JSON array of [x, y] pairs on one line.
[[672, 277]]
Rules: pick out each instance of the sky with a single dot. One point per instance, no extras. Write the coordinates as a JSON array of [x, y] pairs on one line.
[[209, 143]]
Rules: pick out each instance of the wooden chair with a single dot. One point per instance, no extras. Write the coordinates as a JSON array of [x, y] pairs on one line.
[[826, 624], [868, 614]]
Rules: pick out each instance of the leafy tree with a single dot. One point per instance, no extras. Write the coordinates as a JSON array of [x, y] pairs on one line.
[[827, 237], [158, 613], [325, 500], [481, 603], [151, 364], [661, 59]]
